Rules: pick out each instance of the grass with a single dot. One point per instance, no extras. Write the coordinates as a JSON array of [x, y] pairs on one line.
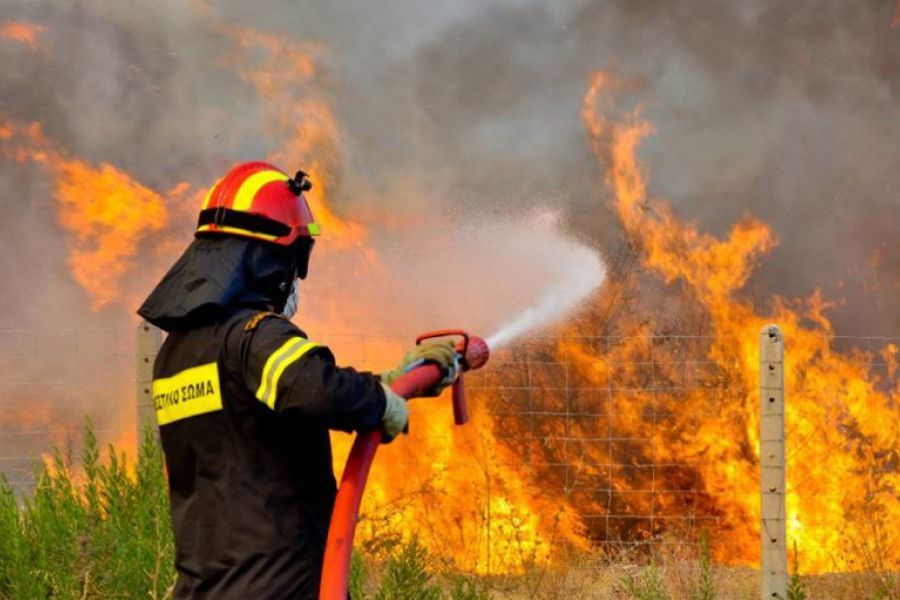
[[796, 589], [97, 528], [95, 531]]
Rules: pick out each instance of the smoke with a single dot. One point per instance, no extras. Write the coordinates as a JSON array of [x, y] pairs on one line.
[[515, 274], [457, 131], [786, 113], [789, 114]]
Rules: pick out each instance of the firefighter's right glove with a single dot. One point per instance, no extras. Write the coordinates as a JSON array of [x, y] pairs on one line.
[[441, 353], [396, 415]]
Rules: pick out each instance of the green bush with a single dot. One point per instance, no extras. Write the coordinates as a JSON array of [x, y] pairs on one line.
[[796, 590], [704, 590], [408, 576], [646, 585], [359, 573], [102, 530], [93, 532]]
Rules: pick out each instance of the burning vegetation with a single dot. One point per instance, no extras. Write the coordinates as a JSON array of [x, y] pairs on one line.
[[626, 424], [843, 431]]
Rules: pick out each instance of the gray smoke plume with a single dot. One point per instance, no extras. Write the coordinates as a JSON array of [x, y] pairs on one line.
[[450, 115], [789, 113], [786, 112]]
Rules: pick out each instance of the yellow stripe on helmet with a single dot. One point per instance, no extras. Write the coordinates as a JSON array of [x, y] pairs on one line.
[[243, 200], [208, 197], [289, 353], [237, 231]]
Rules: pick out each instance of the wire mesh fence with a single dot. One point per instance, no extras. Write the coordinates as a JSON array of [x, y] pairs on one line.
[[51, 382], [591, 425], [651, 439]]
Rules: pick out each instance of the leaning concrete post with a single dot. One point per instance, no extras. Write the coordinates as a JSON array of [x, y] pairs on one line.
[[771, 459], [149, 339]]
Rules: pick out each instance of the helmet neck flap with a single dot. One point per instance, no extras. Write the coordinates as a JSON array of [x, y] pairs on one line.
[[215, 277]]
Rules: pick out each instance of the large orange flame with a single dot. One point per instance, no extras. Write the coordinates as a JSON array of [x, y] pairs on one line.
[[460, 491], [467, 493], [108, 215], [106, 212], [843, 430]]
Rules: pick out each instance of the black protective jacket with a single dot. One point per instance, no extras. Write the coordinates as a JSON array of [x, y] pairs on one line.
[[244, 402]]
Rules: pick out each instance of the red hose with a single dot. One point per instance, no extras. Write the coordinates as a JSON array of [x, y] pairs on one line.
[[339, 548]]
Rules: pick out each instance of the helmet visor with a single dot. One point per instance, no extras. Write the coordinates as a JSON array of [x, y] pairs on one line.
[[302, 251]]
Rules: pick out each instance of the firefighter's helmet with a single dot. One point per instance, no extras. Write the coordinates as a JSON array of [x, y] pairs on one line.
[[257, 200]]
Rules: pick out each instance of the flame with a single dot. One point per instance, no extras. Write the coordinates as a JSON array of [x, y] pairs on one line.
[[106, 212], [284, 74], [466, 492], [109, 214], [460, 490], [25, 33], [843, 431]]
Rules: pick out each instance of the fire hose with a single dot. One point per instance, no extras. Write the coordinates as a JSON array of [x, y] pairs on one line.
[[473, 353]]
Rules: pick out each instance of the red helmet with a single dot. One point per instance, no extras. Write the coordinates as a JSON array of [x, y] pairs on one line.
[[257, 200]]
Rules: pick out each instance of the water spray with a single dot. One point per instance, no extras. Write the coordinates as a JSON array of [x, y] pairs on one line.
[[576, 282], [473, 353]]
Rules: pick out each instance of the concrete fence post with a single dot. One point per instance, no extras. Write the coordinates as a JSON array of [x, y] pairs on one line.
[[772, 464], [148, 341]]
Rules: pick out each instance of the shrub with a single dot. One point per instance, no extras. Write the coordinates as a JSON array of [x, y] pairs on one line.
[[646, 585], [407, 575], [704, 589], [796, 590], [94, 531]]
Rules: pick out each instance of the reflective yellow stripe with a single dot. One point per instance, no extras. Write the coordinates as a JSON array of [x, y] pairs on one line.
[[207, 198], [239, 231], [248, 190], [209, 195], [289, 353], [191, 392], [313, 229]]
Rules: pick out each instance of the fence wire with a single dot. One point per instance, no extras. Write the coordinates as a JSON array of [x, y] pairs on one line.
[[610, 424], [51, 382]]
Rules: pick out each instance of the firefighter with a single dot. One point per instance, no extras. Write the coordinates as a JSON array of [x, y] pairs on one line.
[[244, 400]]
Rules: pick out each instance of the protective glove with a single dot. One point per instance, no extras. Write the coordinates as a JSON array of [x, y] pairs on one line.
[[441, 352], [396, 415]]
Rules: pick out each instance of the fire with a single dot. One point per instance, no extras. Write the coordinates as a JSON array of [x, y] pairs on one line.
[[464, 494], [284, 74], [460, 490], [467, 492], [106, 212], [843, 431], [25, 33]]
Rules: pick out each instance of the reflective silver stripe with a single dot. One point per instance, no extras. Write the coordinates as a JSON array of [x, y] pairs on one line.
[[289, 352]]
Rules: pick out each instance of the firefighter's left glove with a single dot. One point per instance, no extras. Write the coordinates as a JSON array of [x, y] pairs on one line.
[[440, 352], [396, 415]]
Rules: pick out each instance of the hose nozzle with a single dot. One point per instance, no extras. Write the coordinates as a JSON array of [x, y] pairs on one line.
[[474, 353]]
